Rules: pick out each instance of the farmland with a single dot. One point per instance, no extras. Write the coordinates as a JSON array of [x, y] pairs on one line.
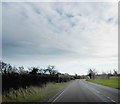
[[112, 82]]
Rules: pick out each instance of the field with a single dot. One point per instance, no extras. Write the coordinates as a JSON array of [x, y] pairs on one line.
[[112, 82], [34, 94]]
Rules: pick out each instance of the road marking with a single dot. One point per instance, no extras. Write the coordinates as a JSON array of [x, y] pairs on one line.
[[110, 99], [62, 92], [58, 95], [51, 99], [97, 91], [103, 94]]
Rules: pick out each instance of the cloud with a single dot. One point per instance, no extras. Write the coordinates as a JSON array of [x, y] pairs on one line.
[[68, 35], [1, 31], [60, 1]]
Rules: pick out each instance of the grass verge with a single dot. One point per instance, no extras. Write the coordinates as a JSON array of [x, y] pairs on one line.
[[112, 82], [33, 94], [0, 98]]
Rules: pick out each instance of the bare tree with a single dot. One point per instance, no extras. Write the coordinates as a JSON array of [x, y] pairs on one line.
[[21, 70], [109, 74], [3, 67], [14, 70], [54, 72], [40, 71], [34, 70], [44, 71], [115, 73], [91, 73]]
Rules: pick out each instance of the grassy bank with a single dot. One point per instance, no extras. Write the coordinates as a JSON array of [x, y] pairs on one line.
[[112, 82], [33, 94], [0, 98]]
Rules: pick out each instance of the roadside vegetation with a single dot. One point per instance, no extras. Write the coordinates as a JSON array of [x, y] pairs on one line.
[[0, 98], [34, 94], [107, 79], [111, 82], [32, 84]]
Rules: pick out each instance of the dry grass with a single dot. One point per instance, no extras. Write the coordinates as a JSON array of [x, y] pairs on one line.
[[33, 94]]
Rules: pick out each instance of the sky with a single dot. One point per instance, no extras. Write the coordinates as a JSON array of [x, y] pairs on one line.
[[73, 36]]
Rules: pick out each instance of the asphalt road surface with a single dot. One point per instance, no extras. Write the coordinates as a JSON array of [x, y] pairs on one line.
[[83, 91]]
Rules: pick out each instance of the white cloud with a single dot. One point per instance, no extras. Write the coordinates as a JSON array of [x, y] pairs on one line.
[[1, 31], [68, 35], [61, 1]]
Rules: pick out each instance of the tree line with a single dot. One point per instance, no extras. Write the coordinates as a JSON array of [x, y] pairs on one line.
[[14, 78], [92, 73]]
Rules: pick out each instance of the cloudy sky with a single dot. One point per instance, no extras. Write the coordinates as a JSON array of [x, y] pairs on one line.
[[72, 36]]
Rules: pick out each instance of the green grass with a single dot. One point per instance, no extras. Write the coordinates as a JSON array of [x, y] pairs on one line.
[[33, 94], [0, 98], [112, 82]]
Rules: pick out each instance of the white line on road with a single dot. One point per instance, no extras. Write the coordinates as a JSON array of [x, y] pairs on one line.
[[103, 95], [111, 99], [59, 95], [98, 92]]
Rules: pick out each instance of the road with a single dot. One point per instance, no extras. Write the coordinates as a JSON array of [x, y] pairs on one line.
[[83, 91]]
